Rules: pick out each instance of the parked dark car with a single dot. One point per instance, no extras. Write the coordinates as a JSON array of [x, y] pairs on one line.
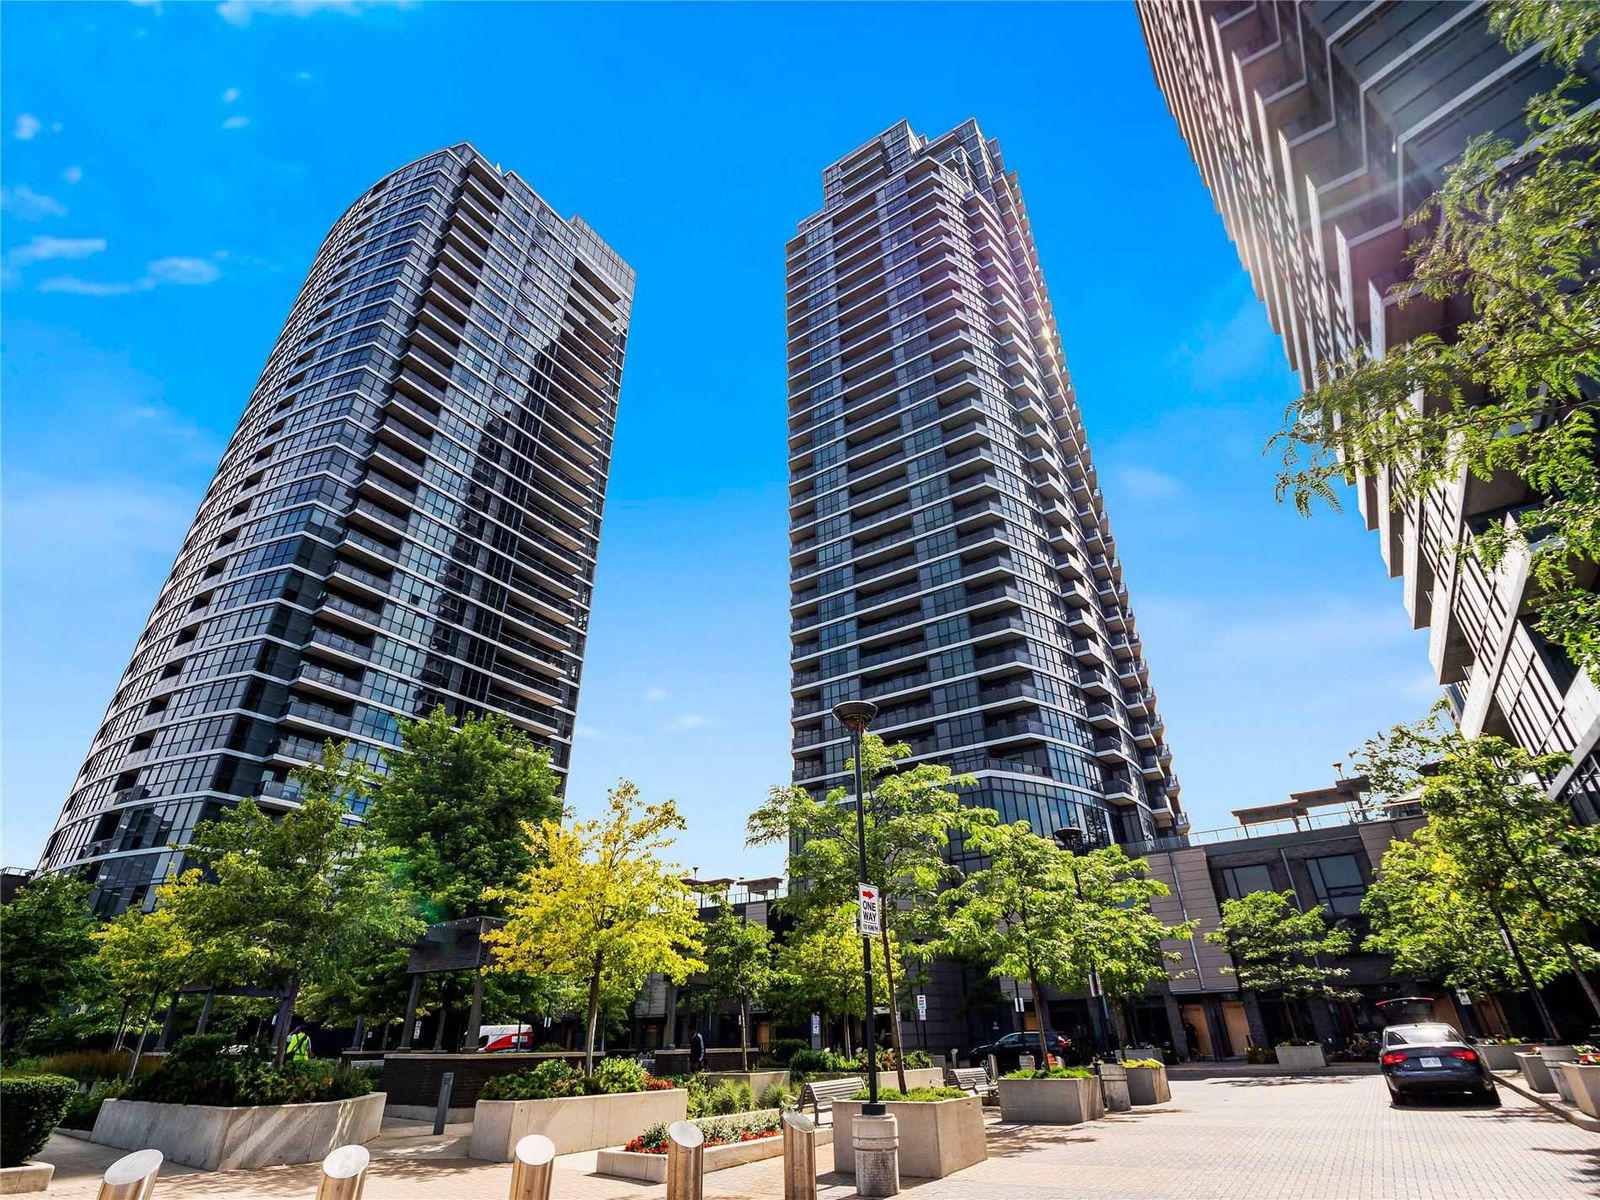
[[1430, 1058], [1009, 1049]]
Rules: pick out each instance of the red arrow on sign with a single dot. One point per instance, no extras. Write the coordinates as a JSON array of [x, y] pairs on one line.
[[866, 895]]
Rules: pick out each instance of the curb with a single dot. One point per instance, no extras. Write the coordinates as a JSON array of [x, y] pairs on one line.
[[1565, 1111]]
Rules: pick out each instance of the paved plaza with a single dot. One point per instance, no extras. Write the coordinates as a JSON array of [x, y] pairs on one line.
[[1229, 1137]]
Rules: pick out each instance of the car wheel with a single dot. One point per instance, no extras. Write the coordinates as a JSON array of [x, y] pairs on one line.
[[1490, 1096], [1398, 1098]]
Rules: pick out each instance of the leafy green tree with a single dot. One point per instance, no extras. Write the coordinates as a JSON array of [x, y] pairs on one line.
[[1434, 923], [818, 969], [1514, 849], [1510, 388], [911, 817], [292, 900], [1278, 948], [599, 904], [738, 957], [140, 956], [454, 803], [46, 949]]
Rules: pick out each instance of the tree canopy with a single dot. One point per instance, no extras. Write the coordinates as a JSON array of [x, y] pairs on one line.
[[818, 969], [598, 903], [46, 948], [738, 958], [1277, 948]]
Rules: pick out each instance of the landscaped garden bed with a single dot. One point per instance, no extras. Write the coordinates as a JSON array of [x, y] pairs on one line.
[[1061, 1096], [730, 1142], [207, 1109], [576, 1112], [940, 1130]]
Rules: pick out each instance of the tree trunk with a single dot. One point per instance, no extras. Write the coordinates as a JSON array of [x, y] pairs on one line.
[[122, 1025], [1583, 979], [593, 1019], [744, 1034], [1288, 1012], [894, 1012], [847, 1050], [280, 1033], [144, 1030], [1041, 1013]]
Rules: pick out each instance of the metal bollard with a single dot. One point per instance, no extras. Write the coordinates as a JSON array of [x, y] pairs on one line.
[[686, 1161], [441, 1113], [532, 1164], [799, 1156], [344, 1174], [132, 1177]]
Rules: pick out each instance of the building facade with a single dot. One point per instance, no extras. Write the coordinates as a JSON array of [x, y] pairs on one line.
[[1319, 127], [406, 516], [951, 558]]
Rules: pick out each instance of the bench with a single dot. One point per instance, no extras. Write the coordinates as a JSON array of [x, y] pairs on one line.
[[821, 1094], [969, 1079]]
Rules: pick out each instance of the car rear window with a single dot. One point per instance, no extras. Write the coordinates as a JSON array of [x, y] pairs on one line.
[[1421, 1035]]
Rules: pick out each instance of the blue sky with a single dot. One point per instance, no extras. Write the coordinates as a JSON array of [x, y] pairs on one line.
[[169, 171]]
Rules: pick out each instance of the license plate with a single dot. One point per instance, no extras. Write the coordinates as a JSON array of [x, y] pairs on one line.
[[1431, 1062]]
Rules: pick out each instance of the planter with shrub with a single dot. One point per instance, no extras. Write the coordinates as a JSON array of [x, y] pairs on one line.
[[1501, 1053], [576, 1112], [32, 1106], [1060, 1096], [1301, 1056], [730, 1142], [1582, 1080], [1535, 1068], [221, 1112], [940, 1129], [1147, 1081], [757, 1082]]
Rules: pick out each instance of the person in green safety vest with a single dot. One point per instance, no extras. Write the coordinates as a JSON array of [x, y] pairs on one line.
[[300, 1045]]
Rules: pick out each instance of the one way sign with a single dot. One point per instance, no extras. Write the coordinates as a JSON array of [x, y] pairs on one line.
[[870, 907]]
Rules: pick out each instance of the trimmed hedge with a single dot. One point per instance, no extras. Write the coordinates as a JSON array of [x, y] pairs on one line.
[[196, 1072], [33, 1106]]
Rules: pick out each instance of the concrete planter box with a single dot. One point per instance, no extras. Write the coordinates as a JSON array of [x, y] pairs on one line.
[[652, 1168], [214, 1138], [915, 1077], [573, 1123], [1502, 1057], [1536, 1071], [1148, 1085], [937, 1137], [1301, 1058], [1583, 1082], [29, 1177], [1555, 1054], [1051, 1101], [759, 1081]]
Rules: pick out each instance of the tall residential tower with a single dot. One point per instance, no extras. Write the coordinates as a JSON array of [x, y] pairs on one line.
[[1318, 128], [951, 556], [406, 516]]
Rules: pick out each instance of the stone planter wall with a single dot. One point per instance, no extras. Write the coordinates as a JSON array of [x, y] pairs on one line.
[[1148, 1085], [1536, 1071], [29, 1177], [1301, 1058], [573, 1123], [1583, 1081], [226, 1139], [937, 1137], [1051, 1101], [915, 1077], [1555, 1054], [1502, 1057]]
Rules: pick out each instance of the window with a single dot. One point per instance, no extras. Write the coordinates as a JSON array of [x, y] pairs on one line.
[[1241, 881], [1336, 880]]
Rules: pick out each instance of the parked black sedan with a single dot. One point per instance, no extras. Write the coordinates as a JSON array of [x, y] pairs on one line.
[[1431, 1058], [1009, 1049]]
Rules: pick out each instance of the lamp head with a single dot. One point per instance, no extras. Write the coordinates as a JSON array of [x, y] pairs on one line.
[[855, 715], [1071, 838]]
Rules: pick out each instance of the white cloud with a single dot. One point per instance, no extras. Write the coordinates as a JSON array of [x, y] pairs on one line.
[[27, 127], [687, 722], [655, 693], [26, 204], [1147, 483], [230, 95], [73, 175], [236, 122], [45, 248], [180, 270], [183, 270], [239, 12]]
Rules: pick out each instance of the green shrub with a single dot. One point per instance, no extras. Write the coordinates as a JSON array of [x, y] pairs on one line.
[[1141, 1062], [83, 1108], [621, 1075], [198, 1047], [728, 1097], [805, 1064], [1052, 1073], [775, 1095], [784, 1049], [552, 1077], [549, 1048], [1259, 1054], [88, 1066], [247, 1081], [33, 1107], [915, 1095]]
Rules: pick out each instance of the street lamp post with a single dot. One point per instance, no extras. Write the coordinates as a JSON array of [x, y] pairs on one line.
[[1072, 841], [856, 716]]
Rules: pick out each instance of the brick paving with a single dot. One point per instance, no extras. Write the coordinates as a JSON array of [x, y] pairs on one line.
[[1240, 1137]]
